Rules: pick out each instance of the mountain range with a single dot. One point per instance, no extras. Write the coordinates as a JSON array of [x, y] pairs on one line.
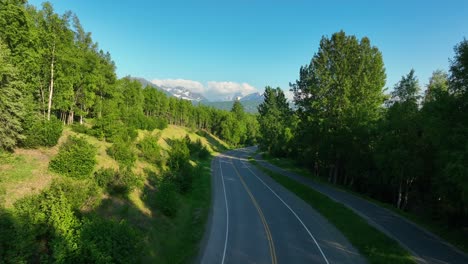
[[250, 101]]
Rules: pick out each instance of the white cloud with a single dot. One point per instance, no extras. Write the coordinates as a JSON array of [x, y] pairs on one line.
[[193, 86], [229, 88]]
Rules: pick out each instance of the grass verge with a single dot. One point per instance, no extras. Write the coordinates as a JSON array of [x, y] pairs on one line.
[[179, 238], [375, 246], [456, 237]]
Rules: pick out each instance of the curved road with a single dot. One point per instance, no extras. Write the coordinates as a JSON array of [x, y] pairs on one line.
[[255, 220]]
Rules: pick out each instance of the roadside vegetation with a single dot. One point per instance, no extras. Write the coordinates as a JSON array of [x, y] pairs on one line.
[[406, 148], [92, 211], [374, 245], [453, 236]]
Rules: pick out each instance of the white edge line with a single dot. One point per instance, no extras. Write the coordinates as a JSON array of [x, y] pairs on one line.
[[292, 211], [227, 213]]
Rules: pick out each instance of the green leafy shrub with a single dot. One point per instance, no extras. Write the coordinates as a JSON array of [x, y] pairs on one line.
[[197, 150], [45, 228], [108, 241], [161, 123], [204, 153], [64, 226], [106, 127], [150, 149], [124, 182], [104, 177], [78, 128], [139, 120], [179, 154], [181, 172], [120, 182], [183, 178], [76, 158], [113, 129], [123, 153], [79, 193], [43, 133], [167, 198]]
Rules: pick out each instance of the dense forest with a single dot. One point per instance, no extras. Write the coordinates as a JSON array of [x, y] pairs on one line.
[[53, 71], [55, 81], [406, 147]]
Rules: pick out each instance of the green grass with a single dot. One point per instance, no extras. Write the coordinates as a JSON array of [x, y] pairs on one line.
[[456, 237], [14, 168], [375, 246], [180, 242]]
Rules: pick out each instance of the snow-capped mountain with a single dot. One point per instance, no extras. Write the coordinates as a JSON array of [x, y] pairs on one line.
[[179, 92], [184, 93], [238, 96], [252, 97], [250, 102]]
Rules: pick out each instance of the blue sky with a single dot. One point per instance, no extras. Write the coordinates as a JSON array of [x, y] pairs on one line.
[[218, 47]]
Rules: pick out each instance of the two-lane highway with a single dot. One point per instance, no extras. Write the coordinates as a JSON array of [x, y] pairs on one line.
[[255, 220]]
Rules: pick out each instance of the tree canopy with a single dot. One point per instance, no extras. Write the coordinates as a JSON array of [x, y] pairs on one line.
[[406, 147]]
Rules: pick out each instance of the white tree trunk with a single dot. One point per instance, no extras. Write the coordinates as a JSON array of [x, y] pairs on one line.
[[51, 86]]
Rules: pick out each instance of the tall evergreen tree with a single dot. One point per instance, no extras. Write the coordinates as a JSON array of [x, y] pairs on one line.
[[238, 110], [339, 97], [274, 120], [11, 107]]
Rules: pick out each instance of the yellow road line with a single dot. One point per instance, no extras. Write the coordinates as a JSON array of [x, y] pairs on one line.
[[262, 218]]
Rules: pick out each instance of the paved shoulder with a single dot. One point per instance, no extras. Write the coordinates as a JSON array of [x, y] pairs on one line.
[[425, 247]]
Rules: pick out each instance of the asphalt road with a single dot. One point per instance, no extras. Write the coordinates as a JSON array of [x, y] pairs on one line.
[[425, 246], [256, 220]]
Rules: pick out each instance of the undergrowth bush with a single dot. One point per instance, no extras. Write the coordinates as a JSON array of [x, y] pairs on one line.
[[113, 129], [104, 177], [123, 153], [124, 182], [109, 241], [179, 155], [167, 199], [197, 149], [44, 228], [118, 182], [161, 123], [76, 158], [79, 193], [183, 178], [150, 149], [78, 128], [42, 133]]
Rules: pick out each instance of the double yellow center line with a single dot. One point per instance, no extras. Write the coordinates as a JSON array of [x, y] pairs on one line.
[[262, 217]]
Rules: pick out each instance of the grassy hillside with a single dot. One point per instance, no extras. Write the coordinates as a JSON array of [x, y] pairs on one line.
[[165, 238]]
